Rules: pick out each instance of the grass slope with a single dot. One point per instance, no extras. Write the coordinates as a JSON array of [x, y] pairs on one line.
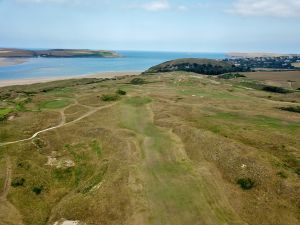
[[178, 149]]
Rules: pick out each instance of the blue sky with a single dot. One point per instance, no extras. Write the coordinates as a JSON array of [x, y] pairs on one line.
[[164, 25]]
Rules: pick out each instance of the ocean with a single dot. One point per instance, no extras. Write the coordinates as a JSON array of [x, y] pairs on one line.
[[60, 67]]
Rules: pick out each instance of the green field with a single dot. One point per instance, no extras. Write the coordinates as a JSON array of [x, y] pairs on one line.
[[177, 149], [54, 104]]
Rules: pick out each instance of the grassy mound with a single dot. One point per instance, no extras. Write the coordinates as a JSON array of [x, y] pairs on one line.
[[201, 66]]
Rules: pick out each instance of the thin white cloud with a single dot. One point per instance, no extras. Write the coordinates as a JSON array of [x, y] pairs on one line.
[[161, 5], [275, 8], [182, 8], [46, 1], [148, 5]]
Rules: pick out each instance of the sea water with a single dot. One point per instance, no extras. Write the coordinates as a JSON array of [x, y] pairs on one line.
[[131, 61]]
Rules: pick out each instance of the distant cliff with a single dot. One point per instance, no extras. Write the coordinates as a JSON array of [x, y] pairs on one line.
[[201, 66], [56, 53]]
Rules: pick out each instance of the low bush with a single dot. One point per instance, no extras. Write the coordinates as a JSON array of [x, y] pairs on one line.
[[246, 183], [137, 81], [275, 89], [121, 92], [282, 174], [110, 97], [295, 109], [231, 75], [17, 182], [38, 190]]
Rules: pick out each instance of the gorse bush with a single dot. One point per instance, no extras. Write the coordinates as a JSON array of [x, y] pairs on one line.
[[17, 182], [231, 75], [138, 81], [276, 89], [246, 183], [38, 190], [121, 92], [110, 97], [295, 109]]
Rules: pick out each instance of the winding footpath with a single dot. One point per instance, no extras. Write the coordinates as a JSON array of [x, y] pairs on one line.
[[62, 123], [8, 212]]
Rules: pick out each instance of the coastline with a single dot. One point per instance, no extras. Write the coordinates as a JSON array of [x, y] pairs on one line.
[[26, 81]]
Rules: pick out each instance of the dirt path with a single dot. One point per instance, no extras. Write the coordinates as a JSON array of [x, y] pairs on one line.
[[8, 213], [61, 124], [7, 179], [177, 190]]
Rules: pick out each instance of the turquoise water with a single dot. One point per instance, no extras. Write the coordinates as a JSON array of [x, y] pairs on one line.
[[131, 61]]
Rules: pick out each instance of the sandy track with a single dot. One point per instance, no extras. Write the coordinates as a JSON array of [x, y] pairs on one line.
[[8, 212]]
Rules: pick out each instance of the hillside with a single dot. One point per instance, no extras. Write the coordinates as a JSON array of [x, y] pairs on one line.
[[169, 149], [201, 66], [56, 53]]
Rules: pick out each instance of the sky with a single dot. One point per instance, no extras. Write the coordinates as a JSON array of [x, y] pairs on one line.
[[154, 25]]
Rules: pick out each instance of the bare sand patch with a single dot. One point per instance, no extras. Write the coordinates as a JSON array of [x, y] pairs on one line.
[[69, 222], [11, 61]]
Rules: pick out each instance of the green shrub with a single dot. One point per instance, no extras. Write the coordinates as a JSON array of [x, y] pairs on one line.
[[282, 174], [137, 81], [275, 89], [110, 97], [295, 109], [231, 75], [121, 92], [17, 182], [246, 183], [4, 113], [38, 190]]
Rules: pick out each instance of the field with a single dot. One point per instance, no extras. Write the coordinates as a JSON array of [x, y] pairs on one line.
[[297, 65], [289, 79], [178, 149]]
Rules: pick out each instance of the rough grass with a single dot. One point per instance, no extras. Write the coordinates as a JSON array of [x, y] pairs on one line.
[[4, 113]]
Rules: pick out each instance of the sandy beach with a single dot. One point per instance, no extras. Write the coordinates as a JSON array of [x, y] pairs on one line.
[[25, 81], [11, 61]]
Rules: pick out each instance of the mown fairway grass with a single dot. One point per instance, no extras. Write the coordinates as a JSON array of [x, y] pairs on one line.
[[55, 104], [170, 152]]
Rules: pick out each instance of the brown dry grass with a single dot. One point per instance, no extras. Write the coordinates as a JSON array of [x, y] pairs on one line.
[[278, 78]]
